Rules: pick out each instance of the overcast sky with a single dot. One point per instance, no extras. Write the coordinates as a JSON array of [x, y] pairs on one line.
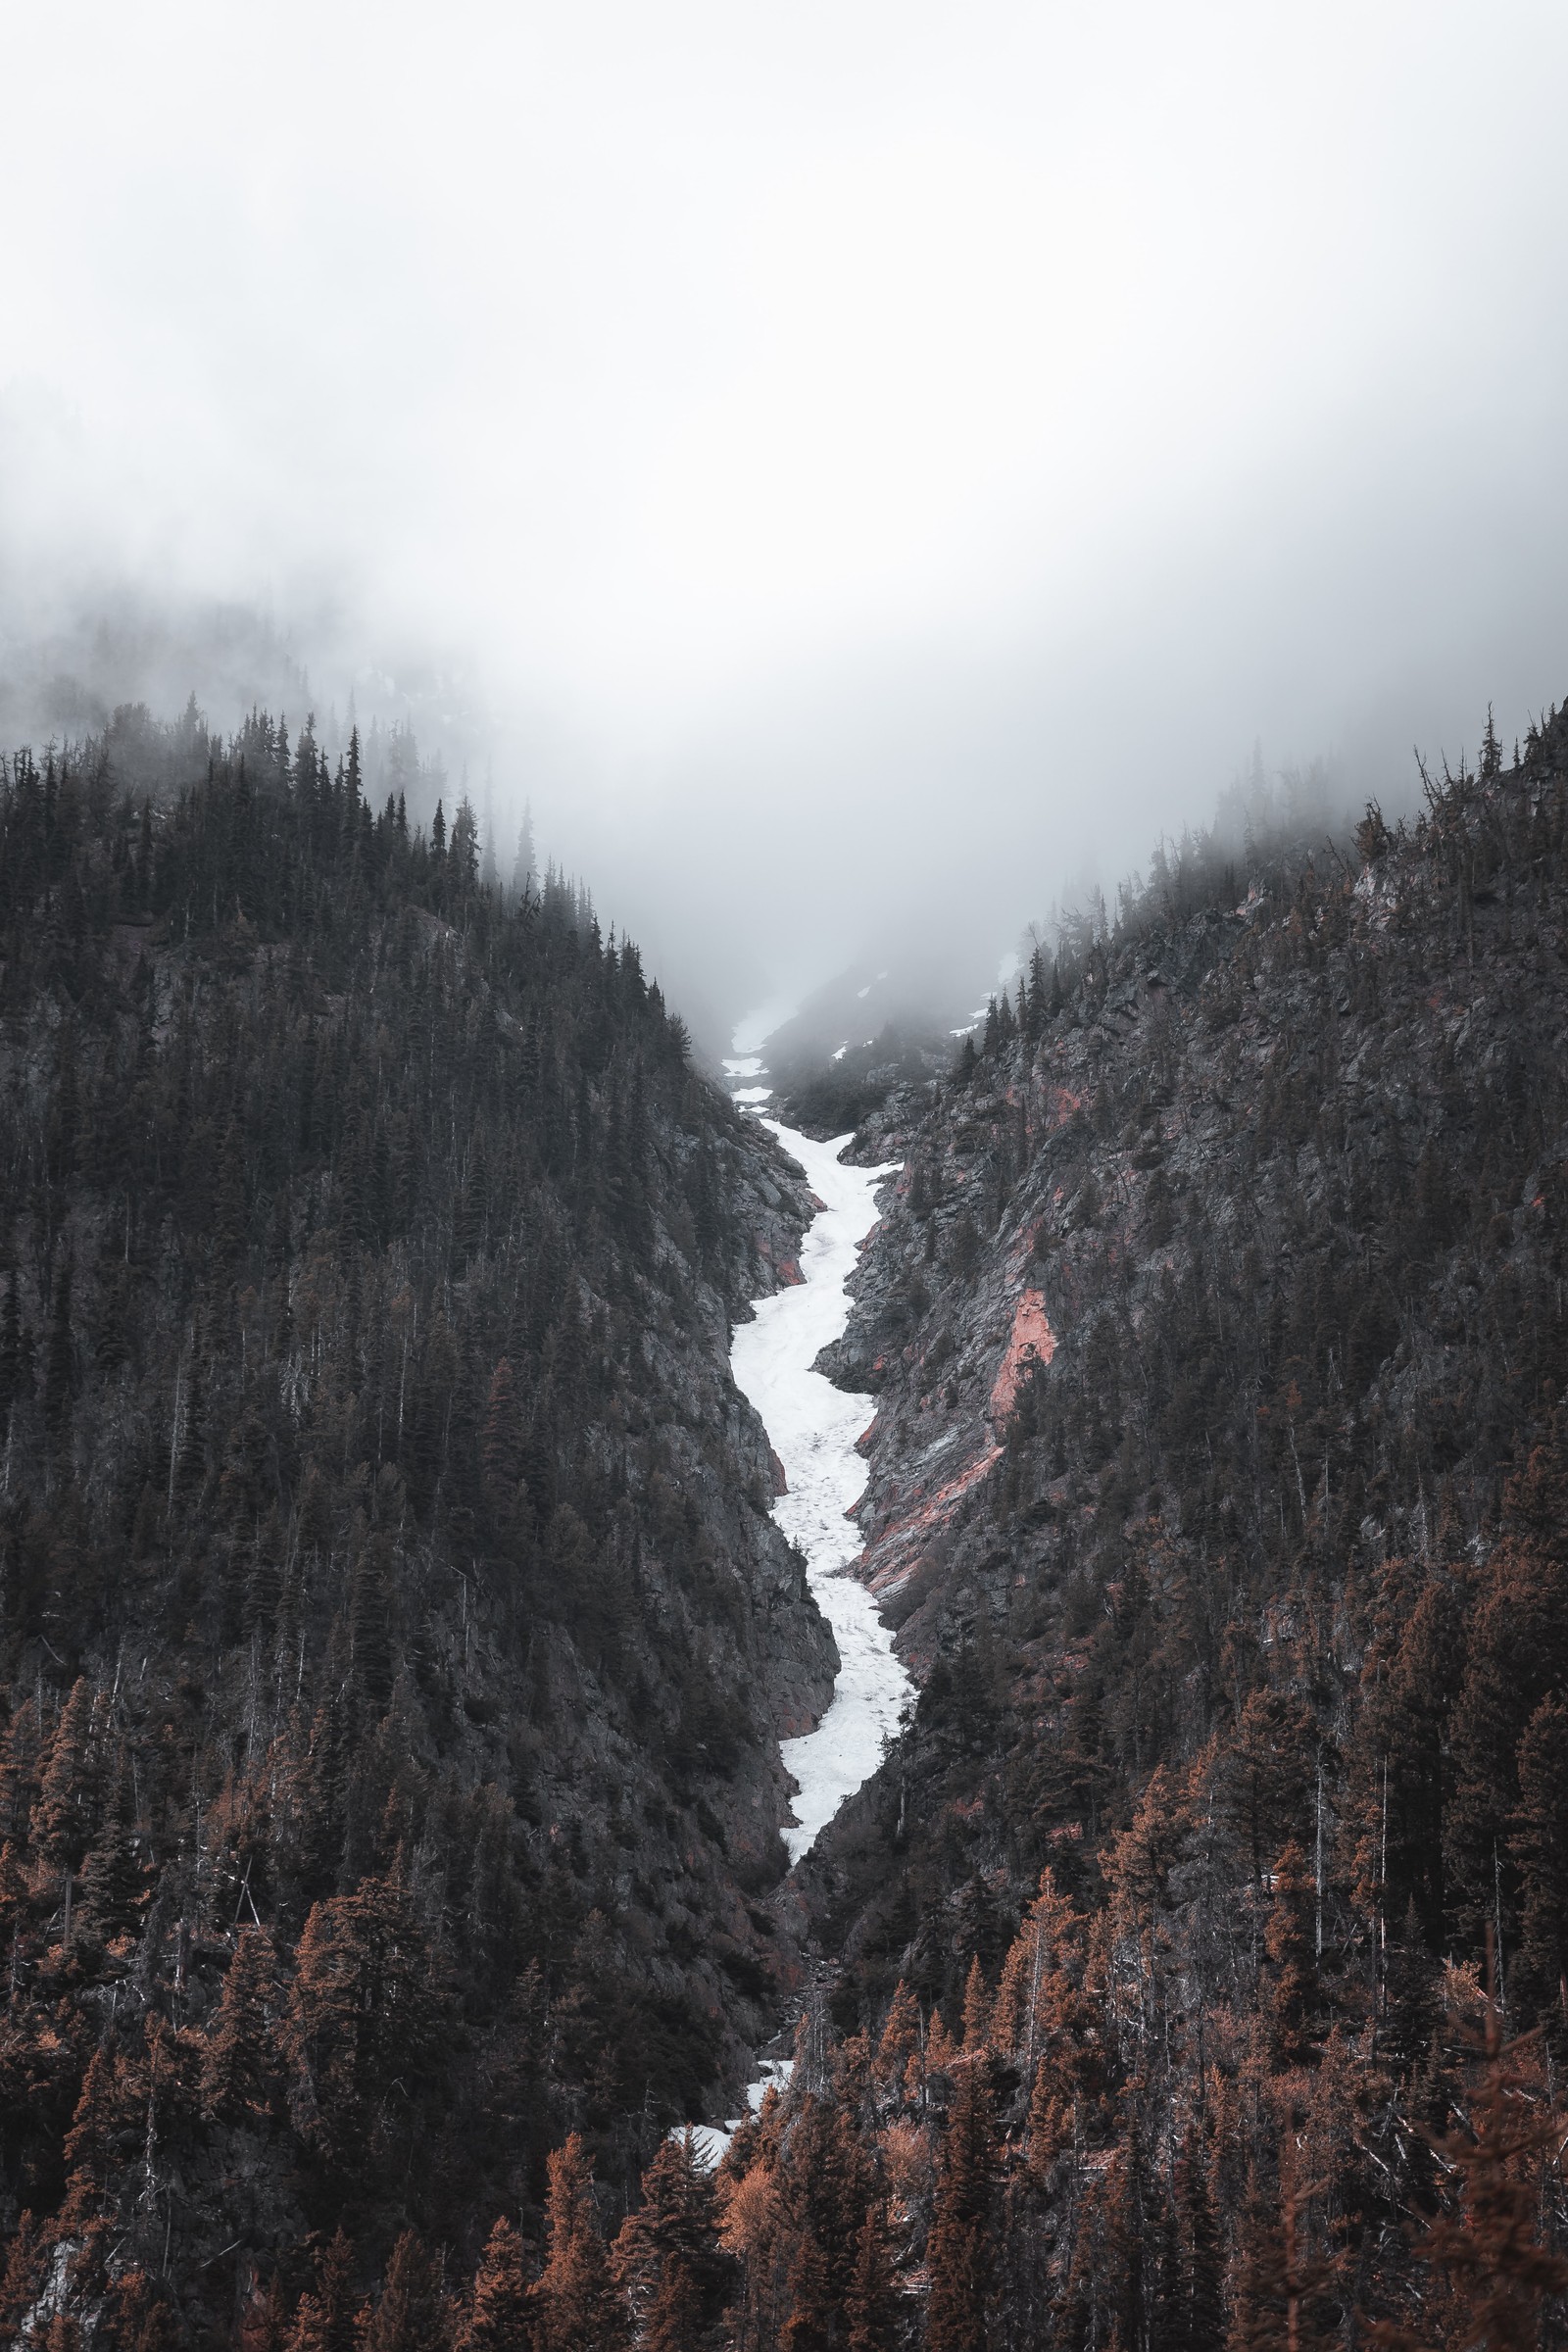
[[871, 458]]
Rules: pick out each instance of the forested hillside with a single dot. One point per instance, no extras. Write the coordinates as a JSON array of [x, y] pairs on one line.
[[393, 1641], [396, 1640], [1219, 1484]]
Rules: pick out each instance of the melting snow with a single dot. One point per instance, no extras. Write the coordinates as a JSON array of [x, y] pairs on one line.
[[813, 1427], [709, 2140]]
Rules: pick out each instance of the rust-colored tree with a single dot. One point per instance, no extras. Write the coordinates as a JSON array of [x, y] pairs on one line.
[[498, 2318], [409, 2314], [959, 2252], [329, 2310], [1489, 2278], [666, 2255], [578, 2305]]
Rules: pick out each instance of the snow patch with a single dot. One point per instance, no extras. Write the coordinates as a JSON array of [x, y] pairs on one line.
[[711, 2140], [813, 1427]]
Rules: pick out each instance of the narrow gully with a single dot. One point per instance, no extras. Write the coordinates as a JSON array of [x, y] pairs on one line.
[[813, 1428]]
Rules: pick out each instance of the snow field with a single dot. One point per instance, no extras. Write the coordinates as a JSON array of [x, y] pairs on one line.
[[813, 1427]]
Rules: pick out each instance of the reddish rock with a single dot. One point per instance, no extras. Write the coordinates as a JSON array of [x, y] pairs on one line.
[[789, 1271], [916, 1516], [1031, 1342], [781, 1484]]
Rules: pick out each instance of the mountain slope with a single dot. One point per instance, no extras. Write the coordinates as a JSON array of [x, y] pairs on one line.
[[1219, 1487], [393, 1637]]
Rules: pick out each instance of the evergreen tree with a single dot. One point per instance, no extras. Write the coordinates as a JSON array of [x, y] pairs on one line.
[[577, 2306], [666, 2258], [239, 2073], [1287, 1940], [409, 2314], [115, 1886], [1540, 1846], [329, 2310], [960, 2250], [1197, 2315], [67, 1814], [498, 2318], [871, 2308]]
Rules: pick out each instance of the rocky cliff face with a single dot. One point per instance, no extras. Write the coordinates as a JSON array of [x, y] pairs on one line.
[[1222, 1280]]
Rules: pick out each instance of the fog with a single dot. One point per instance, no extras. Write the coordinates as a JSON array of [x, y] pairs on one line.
[[861, 472]]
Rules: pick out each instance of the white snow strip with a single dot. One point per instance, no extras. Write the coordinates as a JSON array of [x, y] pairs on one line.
[[813, 1427], [743, 1066], [752, 1094]]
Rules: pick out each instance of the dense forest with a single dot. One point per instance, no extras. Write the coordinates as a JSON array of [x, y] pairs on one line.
[[1219, 1488], [394, 1643], [396, 1640]]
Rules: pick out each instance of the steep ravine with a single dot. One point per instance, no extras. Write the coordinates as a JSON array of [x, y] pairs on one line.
[[815, 1430]]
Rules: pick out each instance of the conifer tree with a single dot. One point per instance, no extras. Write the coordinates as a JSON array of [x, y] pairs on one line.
[[503, 1437], [239, 2074], [27, 2255], [498, 2318], [1540, 1849], [59, 1375], [871, 2307], [365, 2008], [1288, 1939], [578, 2305], [1488, 2275], [329, 2310], [1197, 2312], [959, 2250], [899, 2044], [103, 2130], [809, 2319], [666, 2258], [66, 1817], [409, 2314], [976, 2009], [136, 2314]]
